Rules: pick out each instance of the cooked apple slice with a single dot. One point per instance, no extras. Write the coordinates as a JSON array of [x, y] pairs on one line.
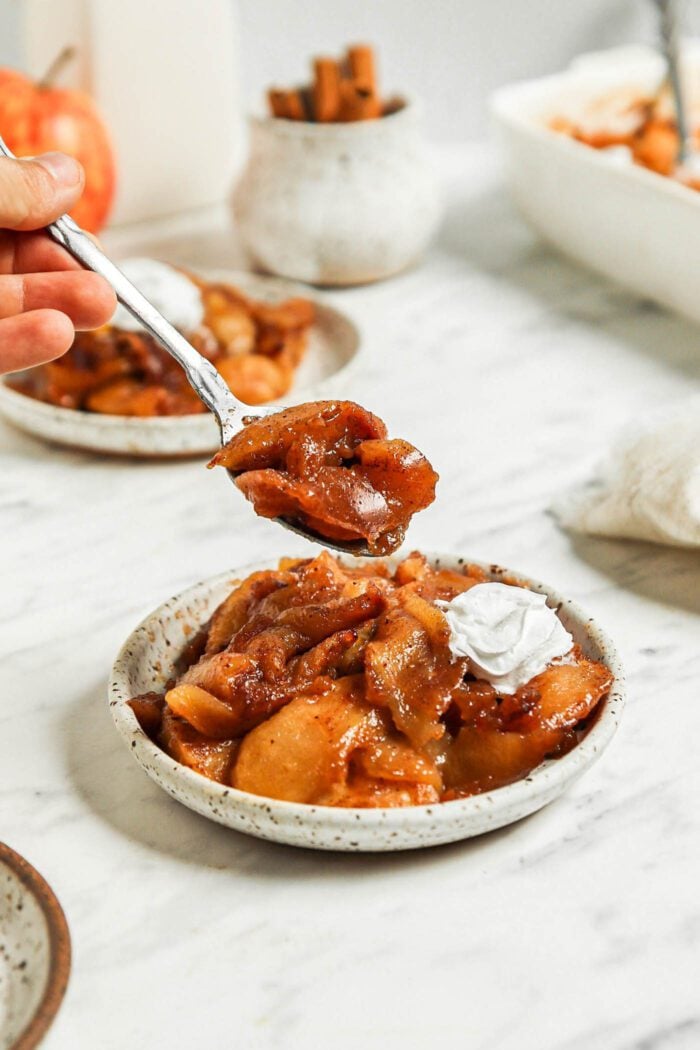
[[298, 629], [366, 793], [211, 758], [392, 759], [148, 709], [302, 751], [400, 472], [484, 758], [322, 660], [409, 668], [204, 712], [485, 755], [230, 616], [338, 503], [330, 429], [569, 692]]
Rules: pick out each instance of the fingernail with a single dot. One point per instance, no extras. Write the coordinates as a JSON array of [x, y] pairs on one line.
[[61, 167]]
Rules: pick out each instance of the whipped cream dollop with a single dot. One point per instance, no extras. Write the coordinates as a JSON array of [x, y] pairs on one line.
[[508, 633], [172, 294]]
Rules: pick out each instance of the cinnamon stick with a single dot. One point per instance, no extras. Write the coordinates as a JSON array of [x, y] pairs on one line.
[[357, 102], [277, 102], [286, 104], [295, 106], [361, 64], [326, 90], [344, 90]]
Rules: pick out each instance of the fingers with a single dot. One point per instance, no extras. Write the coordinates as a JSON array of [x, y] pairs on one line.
[[36, 191], [33, 253], [33, 338], [84, 297], [40, 310]]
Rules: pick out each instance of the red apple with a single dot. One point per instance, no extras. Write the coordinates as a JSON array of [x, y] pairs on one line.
[[36, 117]]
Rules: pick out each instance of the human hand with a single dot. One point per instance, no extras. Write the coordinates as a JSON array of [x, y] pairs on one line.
[[44, 294]]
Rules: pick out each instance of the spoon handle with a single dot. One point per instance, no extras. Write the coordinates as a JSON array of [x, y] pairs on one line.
[[204, 378], [202, 375], [668, 33]]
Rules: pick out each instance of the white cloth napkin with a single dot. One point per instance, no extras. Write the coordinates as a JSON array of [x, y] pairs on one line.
[[648, 488]]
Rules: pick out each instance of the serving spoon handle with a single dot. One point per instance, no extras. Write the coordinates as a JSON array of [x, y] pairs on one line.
[[208, 384], [668, 36]]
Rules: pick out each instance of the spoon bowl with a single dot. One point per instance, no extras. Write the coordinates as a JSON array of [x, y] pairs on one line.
[[357, 548]]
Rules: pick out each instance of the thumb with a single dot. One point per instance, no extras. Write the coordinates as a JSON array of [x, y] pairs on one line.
[[35, 191]]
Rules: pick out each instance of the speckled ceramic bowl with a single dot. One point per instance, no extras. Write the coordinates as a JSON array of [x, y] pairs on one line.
[[338, 203], [334, 343], [34, 953], [145, 663]]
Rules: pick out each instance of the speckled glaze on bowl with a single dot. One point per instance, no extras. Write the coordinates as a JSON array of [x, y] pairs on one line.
[[338, 203], [334, 345], [145, 663], [34, 953]]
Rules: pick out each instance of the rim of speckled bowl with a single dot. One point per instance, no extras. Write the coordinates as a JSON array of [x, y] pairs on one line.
[[59, 948], [412, 107], [549, 773]]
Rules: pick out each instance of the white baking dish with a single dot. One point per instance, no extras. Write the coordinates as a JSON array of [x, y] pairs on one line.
[[636, 227]]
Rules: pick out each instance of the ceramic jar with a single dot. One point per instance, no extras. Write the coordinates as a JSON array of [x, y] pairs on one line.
[[337, 204]]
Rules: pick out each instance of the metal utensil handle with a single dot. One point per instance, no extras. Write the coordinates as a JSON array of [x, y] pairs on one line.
[[207, 382], [669, 32], [201, 373]]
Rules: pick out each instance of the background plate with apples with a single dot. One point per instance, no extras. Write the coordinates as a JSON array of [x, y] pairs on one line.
[[334, 344]]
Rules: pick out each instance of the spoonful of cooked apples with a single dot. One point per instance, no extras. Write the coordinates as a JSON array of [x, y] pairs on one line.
[[326, 470]]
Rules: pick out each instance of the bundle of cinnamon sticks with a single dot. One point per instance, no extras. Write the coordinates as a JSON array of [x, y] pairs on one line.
[[342, 90]]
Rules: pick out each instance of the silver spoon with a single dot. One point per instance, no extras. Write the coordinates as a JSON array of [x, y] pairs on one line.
[[231, 414], [668, 34]]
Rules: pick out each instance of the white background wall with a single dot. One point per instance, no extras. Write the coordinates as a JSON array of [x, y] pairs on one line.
[[452, 52]]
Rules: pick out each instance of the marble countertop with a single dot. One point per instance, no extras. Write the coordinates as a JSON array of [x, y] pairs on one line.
[[577, 929]]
